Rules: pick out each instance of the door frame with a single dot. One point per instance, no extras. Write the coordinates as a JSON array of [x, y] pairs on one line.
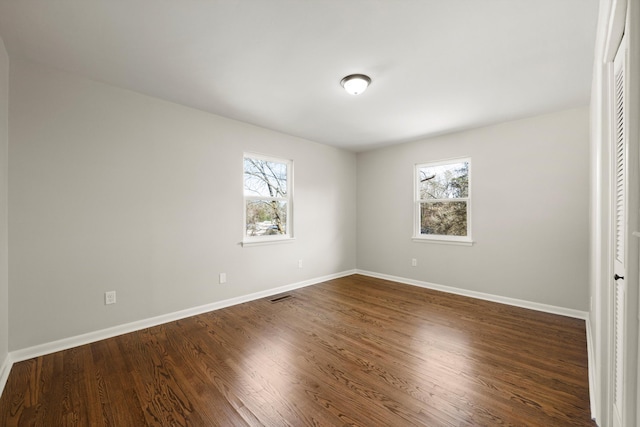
[[624, 263], [623, 19], [615, 17]]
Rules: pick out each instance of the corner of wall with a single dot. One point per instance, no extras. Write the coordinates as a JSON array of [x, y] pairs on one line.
[[5, 365]]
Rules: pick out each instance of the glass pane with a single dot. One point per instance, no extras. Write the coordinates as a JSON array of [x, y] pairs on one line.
[[443, 218], [264, 178], [444, 181], [266, 217]]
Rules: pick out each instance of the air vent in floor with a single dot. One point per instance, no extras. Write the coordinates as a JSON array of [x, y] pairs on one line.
[[280, 298]]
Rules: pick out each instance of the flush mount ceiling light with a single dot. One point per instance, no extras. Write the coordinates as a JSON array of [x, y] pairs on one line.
[[355, 84]]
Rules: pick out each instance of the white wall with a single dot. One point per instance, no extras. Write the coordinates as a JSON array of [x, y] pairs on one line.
[[530, 184], [112, 190], [4, 170]]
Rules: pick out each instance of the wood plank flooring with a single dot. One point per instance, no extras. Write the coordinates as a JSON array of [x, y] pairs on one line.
[[355, 351]]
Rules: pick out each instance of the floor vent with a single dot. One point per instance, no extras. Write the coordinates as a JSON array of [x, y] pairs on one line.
[[280, 298]]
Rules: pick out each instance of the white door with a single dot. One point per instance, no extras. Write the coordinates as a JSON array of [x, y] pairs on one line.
[[620, 147]]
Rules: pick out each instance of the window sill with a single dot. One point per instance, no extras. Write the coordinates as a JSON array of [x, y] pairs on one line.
[[443, 241], [246, 243]]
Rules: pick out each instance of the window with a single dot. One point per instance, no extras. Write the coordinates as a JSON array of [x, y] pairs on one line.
[[267, 198], [442, 201]]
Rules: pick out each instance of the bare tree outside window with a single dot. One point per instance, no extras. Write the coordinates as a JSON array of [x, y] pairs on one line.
[[266, 193], [443, 199]]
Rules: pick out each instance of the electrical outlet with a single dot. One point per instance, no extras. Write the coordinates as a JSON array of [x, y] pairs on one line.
[[109, 297], [299, 263], [414, 262], [223, 278]]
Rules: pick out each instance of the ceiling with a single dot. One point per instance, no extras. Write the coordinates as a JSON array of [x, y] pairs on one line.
[[437, 66]]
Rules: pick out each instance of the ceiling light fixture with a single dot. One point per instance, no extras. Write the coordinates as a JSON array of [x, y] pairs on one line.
[[355, 84]]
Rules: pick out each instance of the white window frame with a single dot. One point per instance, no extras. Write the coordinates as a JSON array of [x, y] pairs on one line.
[[439, 238], [269, 239]]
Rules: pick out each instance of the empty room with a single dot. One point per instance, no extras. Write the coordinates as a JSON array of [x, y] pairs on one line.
[[322, 213]]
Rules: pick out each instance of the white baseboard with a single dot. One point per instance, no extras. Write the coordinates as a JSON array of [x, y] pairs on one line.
[[5, 368], [67, 343], [75, 341], [569, 312], [591, 363]]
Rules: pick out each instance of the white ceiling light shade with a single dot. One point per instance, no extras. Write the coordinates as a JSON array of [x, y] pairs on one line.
[[355, 84]]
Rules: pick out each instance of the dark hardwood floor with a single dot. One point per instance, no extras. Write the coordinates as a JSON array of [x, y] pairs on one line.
[[353, 351]]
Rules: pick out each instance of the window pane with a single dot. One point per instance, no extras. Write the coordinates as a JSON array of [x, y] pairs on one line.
[[443, 218], [266, 217], [444, 181], [264, 178]]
